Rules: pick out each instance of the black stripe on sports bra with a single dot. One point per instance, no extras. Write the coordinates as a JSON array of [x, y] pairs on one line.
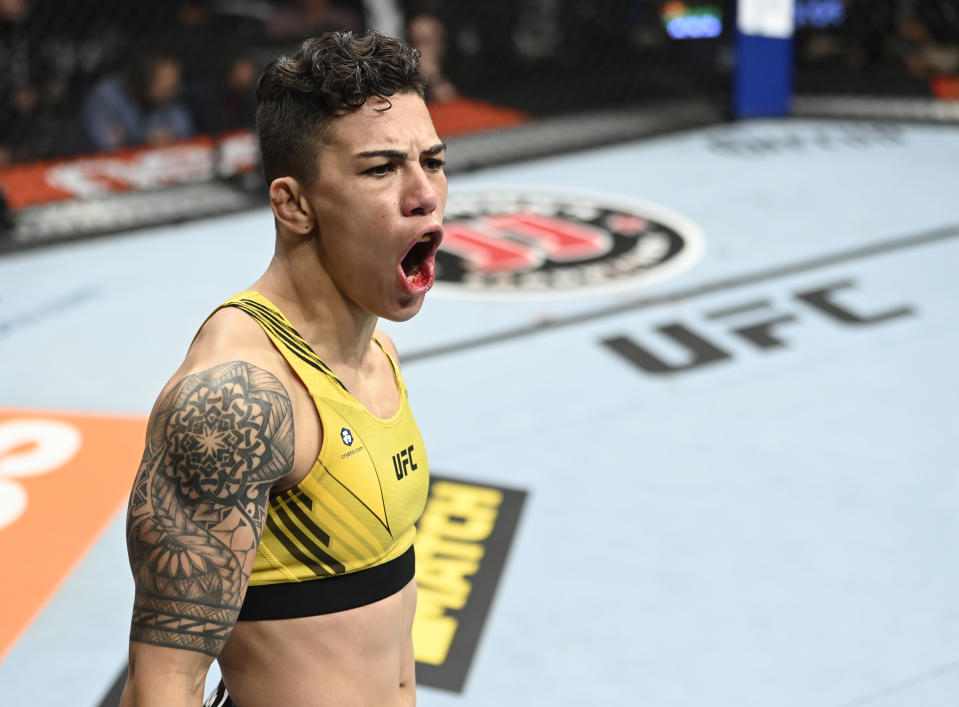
[[328, 595]]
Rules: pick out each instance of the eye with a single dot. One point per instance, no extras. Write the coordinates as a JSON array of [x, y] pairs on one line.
[[380, 170], [434, 164]]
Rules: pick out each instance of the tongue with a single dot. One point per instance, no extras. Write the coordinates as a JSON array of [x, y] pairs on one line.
[[413, 262], [410, 269]]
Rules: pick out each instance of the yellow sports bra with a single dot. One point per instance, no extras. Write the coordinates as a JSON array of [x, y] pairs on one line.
[[343, 536]]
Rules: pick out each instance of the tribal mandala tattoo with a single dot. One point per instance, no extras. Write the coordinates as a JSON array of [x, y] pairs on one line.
[[215, 446]]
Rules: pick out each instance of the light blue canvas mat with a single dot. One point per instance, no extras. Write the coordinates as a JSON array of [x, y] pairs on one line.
[[739, 480]]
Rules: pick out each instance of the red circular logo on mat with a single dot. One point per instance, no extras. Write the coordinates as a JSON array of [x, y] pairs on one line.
[[516, 242]]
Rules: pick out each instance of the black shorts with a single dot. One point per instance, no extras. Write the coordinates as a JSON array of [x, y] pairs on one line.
[[219, 697]]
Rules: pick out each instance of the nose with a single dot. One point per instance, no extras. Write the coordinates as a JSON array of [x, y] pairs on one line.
[[422, 194]]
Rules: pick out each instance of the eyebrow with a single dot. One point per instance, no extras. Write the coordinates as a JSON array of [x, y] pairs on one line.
[[399, 154]]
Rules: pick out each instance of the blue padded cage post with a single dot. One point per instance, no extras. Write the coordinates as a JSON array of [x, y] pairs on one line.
[[763, 79]]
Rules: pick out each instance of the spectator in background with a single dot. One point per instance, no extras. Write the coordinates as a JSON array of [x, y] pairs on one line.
[[238, 105], [18, 95], [141, 106], [35, 116], [426, 33], [217, 45], [16, 56], [928, 37]]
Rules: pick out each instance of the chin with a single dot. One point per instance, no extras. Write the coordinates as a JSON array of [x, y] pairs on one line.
[[406, 309]]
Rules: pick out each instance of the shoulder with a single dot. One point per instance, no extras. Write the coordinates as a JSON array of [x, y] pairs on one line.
[[230, 350], [233, 374], [230, 334], [229, 326]]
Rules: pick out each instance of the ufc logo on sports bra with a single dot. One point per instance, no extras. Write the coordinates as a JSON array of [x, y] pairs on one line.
[[403, 463]]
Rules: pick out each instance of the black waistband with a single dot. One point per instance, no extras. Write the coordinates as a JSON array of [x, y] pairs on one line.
[[328, 594]]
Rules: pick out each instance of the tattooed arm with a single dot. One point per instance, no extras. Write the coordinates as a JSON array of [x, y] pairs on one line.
[[216, 443]]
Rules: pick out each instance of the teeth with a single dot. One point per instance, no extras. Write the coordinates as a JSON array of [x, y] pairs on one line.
[[426, 238]]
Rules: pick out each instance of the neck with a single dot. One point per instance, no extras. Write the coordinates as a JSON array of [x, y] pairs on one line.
[[335, 327]]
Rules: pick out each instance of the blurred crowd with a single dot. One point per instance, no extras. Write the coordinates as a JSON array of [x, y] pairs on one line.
[[81, 76], [895, 47]]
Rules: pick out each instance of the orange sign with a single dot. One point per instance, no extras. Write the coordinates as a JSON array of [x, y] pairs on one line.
[[197, 160], [462, 116], [63, 478]]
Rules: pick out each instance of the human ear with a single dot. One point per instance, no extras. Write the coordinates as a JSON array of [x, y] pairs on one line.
[[290, 206]]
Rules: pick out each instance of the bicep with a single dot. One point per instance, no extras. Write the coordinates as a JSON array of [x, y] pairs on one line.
[[216, 444]]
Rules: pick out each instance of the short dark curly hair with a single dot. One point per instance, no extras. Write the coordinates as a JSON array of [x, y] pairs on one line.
[[298, 96]]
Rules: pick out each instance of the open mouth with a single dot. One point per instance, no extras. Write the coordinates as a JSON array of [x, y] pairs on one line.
[[418, 262]]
